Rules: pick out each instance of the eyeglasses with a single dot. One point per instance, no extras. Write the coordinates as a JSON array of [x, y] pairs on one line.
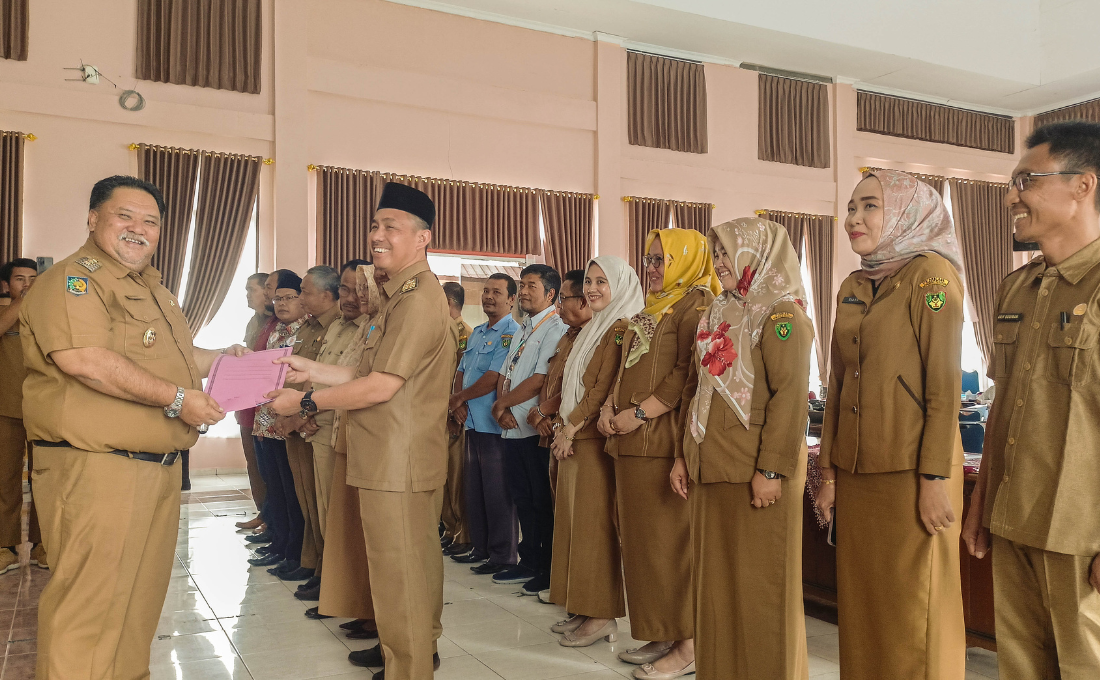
[[563, 298], [1023, 180], [653, 261], [284, 298]]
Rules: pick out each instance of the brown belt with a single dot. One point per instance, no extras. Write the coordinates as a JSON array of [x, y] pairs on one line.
[[159, 458]]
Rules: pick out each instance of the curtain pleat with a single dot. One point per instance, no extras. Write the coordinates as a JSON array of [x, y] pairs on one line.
[[643, 215], [567, 218], [666, 103], [345, 204], [695, 216], [227, 198], [935, 181], [202, 43], [794, 122], [175, 173], [11, 195], [984, 228], [795, 224], [1089, 110], [14, 28], [912, 119]]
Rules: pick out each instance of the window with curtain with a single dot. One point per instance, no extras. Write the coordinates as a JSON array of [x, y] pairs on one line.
[[666, 103], [14, 25], [793, 124], [203, 43], [11, 195], [1089, 110], [695, 216], [899, 117]]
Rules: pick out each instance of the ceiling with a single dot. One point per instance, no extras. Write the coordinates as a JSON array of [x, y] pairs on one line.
[[1007, 56]]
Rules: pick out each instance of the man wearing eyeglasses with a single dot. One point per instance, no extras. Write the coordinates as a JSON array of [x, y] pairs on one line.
[[1037, 500]]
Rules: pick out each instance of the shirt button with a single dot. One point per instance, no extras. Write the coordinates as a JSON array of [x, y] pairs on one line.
[[1069, 341], [1027, 366], [998, 337], [1044, 293], [1035, 325], [1019, 402], [1011, 441]]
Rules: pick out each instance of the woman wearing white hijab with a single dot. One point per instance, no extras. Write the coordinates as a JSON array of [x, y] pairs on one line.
[[586, 575]]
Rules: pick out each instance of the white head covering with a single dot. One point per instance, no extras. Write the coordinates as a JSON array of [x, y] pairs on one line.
[[626, 301]]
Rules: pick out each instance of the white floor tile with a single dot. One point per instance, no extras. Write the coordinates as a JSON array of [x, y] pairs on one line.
[[538, 662]]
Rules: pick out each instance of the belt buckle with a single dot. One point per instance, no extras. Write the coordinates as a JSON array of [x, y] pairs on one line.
[[168, 461]]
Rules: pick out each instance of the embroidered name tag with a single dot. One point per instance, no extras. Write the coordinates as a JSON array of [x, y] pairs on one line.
[[934, 281], [851, 301], [782, 315], [1010, 318]]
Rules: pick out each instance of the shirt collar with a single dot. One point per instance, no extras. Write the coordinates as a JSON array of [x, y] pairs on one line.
[[393, 286], [533, 321], [499, 325], [117, 269], [1074, 267], [326, 318]]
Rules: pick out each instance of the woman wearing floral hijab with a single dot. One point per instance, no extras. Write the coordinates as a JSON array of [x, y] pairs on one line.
[[745, 456], [586, 572], [891, 452], [643, 438]]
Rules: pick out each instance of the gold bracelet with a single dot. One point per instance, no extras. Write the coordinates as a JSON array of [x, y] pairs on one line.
[[828, 481]]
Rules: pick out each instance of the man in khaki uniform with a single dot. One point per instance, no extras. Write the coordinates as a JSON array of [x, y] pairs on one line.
[[456, 538], [1038, 492], [264, 313], [397, 437], [112, 396]]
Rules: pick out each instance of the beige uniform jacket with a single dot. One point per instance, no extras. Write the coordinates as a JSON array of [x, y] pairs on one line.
[[776, 434], [662, 372], [555, 371], [311, 337], [401, 444], [598, 379], [12, 374], [90, 300], [1042, 442], [895, 382], [337, 340]]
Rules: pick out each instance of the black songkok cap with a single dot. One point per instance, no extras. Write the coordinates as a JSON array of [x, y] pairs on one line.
[[411, 200], [288, 279]]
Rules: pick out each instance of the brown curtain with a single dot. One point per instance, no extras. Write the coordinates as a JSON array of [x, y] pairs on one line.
[[643, 215], [795, 224], [346, 200], [1089, 110], [14, 26], [935, 181], [567, 218], [913, 119], [11, 195], [227, 197], [203, 43], [695, 216], [175, 172], [794, 122], [666, 103], [984, 227]]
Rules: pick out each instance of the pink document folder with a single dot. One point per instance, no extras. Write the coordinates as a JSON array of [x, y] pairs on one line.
[[237, 383]]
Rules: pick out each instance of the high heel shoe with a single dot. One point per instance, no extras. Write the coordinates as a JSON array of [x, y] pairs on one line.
[[648, 672], [569, 625], [609, 632], [639, 657]]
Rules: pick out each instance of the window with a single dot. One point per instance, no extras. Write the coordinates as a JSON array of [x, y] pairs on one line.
[[815, 373], [972, 358]]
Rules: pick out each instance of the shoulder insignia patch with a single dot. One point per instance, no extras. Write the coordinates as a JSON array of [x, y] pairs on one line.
[[1010, 318], [934, 281], [77, 285], [89, 263], [782, 315], [506, 340], [935, 301], [851, 301], [700, 309], [783, 330], [462, 344], [411, 284], [619, 338]]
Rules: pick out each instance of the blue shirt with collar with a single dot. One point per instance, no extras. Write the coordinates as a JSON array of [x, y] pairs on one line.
[[486, 350], [530, 355]]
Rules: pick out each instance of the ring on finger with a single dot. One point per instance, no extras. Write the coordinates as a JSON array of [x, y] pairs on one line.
[[937, 527]]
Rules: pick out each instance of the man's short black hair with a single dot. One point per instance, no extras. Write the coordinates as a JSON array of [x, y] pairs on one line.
[[501, 276], [551, 279], [575, 277], [105, 187], [1074, 142], [8, 270], [456, 294], [353, 264]]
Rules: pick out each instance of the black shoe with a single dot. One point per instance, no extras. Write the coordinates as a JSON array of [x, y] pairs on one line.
[[381, 675], [458, 549], [264, 550], [471, 557], [537, 585], [311, 583], [355, 624], [489, 568], [363, 633], [299, 574], [265, 560], [516, 574], [265, 537], [309, 595], [367, 657], [446, 541], [312, 613], [284, 567]]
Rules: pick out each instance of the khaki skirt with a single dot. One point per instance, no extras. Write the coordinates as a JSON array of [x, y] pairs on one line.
[[899, 590], [345, 589], [655, 528], [586, 576], [747, 572]]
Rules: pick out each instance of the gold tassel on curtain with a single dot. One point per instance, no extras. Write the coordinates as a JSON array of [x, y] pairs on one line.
[[175, 172], [11, 195]]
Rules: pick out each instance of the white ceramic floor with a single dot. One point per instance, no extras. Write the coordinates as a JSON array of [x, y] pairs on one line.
[[224, 620]]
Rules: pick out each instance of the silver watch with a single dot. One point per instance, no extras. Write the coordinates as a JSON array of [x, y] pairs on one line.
[[174, 409]]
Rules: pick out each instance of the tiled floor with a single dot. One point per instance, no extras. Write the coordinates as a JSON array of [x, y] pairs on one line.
[[222, 620]]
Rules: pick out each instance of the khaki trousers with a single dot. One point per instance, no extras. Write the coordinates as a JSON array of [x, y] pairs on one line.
[[300, 454], [345, 589], [109, 525], [1048, 614], [401, 533], [13, 446], [324, 466], [454, 500], [255, 481]]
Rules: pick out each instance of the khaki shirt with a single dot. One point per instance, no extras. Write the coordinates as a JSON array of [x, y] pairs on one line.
[[12, 374], [90, 300], [776, 434], [311, 336], [598, 379], [1043, 434], [337, 340], [895, 382], [255, 325], [662, 372], [555, 372], [401, 444]]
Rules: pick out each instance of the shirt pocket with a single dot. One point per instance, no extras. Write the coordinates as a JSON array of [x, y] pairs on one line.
[[1072, 353], [1005, 335], [146, 330], [483, 358]]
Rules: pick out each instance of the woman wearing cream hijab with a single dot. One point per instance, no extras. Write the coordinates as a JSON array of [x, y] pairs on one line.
[[586, 574], [744, 460], [645, 433], [891, 452]]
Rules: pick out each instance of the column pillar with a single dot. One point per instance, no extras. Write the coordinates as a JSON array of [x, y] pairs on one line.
[[293, 247], [610, 136]]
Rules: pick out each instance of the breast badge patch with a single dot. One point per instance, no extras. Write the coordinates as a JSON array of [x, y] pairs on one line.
[[506, 340], [77, 285], [619, 339], [783, 330], [149, 338], [935, 301]]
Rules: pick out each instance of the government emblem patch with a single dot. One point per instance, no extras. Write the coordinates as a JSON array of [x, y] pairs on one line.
[[783, 330], [935, 301], [77, 285]]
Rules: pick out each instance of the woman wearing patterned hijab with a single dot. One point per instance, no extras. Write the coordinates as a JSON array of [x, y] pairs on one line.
[[644, 436], [891, 453], [586, 571], [744, 460]]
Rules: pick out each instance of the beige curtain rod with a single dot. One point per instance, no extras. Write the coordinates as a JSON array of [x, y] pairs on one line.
[[452, 182], [175, 149], [29, 136]]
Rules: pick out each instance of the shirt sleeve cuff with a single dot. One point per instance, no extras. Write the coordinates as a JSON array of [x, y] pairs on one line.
[[784, 465]]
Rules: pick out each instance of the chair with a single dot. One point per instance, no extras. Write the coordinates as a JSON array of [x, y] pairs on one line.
[[970, 416], [973, 436], [970, 382]]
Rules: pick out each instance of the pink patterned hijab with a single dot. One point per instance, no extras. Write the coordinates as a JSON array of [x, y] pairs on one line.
[[914, 221]]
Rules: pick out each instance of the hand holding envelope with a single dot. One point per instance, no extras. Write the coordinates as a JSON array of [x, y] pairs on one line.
[[240, 382]]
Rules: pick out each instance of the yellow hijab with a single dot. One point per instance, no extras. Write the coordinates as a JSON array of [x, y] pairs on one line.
[[688, 265]]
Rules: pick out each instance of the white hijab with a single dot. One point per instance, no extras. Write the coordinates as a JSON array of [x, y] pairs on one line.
[[626, 301]]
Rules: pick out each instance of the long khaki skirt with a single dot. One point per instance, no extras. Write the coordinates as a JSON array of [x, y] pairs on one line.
[[586, 576], [655, 528], [899, 590], [749, 620], [345, 589]]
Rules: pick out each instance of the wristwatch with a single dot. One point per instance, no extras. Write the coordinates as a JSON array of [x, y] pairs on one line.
[[768, 474], [639, 413], [933, 478], [309, 407], [174, 409]]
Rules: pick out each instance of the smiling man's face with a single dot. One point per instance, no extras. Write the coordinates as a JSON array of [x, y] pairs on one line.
[[127, 227]]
